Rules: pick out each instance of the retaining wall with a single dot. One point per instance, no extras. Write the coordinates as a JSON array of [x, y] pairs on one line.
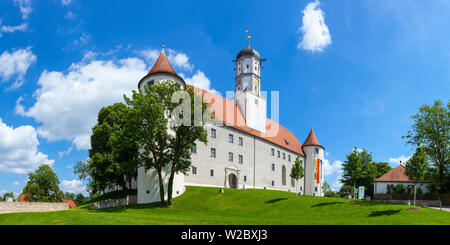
[[114, 203], [20, 207]]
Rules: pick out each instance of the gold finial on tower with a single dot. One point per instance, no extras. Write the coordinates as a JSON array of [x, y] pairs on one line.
[[163, 46]]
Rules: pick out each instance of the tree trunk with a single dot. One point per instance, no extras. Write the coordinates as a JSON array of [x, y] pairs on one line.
[[161, 187], [170, 185], [414, 195]]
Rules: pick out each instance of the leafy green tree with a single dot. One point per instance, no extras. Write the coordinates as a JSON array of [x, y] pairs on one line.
[[186, 133], [149, 128], [113, 157], [328, 192], [297, 171], [417, 168], [43, 186], [399, 189], [69, 196], [7, 195], [360, 170], [80, 199], [345, 190], [431, 129]]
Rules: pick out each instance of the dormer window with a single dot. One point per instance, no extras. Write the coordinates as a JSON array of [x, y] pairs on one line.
[[150, 83]]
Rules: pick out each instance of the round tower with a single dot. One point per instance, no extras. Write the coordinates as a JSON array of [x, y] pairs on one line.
[[248, 70], [314, 155], [161, 71]]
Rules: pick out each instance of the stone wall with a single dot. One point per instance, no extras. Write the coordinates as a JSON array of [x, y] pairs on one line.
[[423, 203], [114, 203], [20, 207]]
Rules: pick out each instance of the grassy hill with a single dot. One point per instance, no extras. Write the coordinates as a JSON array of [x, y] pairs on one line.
[[202, 205]]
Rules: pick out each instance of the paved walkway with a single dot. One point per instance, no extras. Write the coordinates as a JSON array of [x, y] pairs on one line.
[[444, 208]]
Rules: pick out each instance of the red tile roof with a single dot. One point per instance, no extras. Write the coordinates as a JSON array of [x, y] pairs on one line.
[[162, 64], [22, 198], [70, 202], [395, 175], [312, 139], [227, 112]]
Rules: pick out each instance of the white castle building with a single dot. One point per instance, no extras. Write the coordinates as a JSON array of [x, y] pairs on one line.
[[245, 149]]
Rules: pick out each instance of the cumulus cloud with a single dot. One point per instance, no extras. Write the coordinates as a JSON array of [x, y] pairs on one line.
[[22, 27], [397, 160], [16, 64], [329, 169], [176, 59], [316, 35], [199, 80], [66, 2], [25, 7], [67, 104], [19, 149], [72, 186]]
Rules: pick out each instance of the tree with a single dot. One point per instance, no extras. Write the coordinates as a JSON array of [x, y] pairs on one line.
[[328, 192], [69, 196], [187, 133], [43, 186], [113, 155], [416, 168], [399, 189], [431, 129], [297, 171], [6, 196], [345, 190], [360, 170], [148, 127], [80, 199]]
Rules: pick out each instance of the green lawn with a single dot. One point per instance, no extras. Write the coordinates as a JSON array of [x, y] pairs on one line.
[[201, 205]]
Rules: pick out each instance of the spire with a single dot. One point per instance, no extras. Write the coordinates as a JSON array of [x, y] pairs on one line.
[[312, 139], [248, 38], [162, 64]]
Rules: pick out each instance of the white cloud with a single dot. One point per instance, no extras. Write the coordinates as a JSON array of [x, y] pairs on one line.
[[67, 104], [16, 183], [199, 80], [329, 169], [22, 27], [177, 59], [66, 2], [397, 160], [83, 40], [18, 149], [69, 15], [67, 152], [16, 64], [72, 186], [316, 35], [25, 7]]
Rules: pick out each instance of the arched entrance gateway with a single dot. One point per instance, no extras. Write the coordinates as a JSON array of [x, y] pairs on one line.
[[232, 180]]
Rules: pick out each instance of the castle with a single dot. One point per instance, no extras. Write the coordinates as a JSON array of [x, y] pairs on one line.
[[245, 149]]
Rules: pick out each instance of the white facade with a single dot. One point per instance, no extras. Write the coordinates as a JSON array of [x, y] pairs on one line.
[[236, 159], [381, 187]]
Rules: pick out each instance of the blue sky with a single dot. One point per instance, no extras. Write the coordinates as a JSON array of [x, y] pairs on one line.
[[355, 71]]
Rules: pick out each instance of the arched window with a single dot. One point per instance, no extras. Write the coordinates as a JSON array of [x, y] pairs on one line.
[[283, 175]]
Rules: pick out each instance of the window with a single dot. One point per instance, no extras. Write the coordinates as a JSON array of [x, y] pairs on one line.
[[213, 152], [241, 141], [316, 150], [241, 159], [150, 83], [230, 138], [194, 170], [248, 66], [284, 155], [272, 151], [273, 183], [315, 189], [194, 148], [283, 175], [245, 178], [273, 166], [289, 158], [213, 133], [230, 156], [256, 100], [211, 172], [292, 182], [278, 153], [301, 188]]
